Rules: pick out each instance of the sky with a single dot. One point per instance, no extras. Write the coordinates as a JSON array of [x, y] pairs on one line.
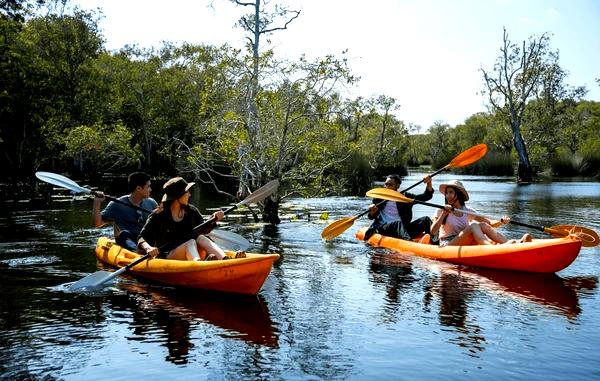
[[427, 54]]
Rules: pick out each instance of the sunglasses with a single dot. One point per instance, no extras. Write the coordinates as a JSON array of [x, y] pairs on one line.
[[140, 216]]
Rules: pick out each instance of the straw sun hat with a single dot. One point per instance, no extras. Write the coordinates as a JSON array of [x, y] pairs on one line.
[[456, 185]]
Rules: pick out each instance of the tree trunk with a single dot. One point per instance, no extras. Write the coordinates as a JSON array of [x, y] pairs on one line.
[[271, 210], [524, 172]]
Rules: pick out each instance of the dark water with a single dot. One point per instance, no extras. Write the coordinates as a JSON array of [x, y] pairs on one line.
[[329, 310]]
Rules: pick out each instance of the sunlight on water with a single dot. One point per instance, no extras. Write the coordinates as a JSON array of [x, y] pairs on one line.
[[329, 310]]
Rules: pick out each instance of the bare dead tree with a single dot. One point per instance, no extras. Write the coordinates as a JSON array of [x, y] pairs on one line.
[[512, 82]]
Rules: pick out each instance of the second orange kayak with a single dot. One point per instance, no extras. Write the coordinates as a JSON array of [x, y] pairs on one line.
[[540, 255]]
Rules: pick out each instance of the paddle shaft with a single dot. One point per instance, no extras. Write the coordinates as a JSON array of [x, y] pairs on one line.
[[540, 228], [114, 199], [212, 219], [402, 191], [351, 222], [466, 157], [256, 196], [422, 180], [121, 270]]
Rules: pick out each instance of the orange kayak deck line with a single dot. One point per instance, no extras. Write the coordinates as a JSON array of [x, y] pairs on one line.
[[539, 256], [243, 275]]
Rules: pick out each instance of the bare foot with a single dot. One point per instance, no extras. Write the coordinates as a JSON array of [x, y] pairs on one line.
[[526, 238]]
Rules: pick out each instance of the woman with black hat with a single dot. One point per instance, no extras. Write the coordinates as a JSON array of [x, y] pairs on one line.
[[169, 231], [456, 229]]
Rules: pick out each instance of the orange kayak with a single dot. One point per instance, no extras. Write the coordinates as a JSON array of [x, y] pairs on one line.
[[243, 275], [539, 256]]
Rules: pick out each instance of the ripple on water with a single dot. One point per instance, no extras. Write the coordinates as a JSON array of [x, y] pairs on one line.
[[329, 310]]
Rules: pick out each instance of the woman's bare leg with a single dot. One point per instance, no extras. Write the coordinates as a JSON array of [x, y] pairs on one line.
[[186, 251], [492, 233], [210, 247], [478, 234], [466, 237], [501, 238]]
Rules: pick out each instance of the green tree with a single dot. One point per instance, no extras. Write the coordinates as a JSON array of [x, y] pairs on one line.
[[295, 112], [46, 61], [386, 147], [100, 148], [354, 109], [438, 143]]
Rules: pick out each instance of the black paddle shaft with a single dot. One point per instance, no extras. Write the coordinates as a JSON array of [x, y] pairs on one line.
[[421, 181], [114, 199], [383, 201], [199, 228], [139, 260], [540, 228]]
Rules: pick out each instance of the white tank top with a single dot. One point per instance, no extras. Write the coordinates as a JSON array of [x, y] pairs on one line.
[[454, 224], [390, 212]]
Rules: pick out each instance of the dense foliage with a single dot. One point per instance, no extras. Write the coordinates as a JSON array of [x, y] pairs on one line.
[[67, 104]]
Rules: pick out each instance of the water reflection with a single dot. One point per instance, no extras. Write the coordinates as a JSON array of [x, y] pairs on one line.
[[395, 273], [326, 302], [559, 295], [455, 293], [454, 290], [175, 313]]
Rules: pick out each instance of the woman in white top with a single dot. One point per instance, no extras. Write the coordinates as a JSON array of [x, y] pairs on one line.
[[457, 228]]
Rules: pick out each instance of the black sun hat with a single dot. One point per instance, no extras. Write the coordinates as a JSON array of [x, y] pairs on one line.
[[175, 188]]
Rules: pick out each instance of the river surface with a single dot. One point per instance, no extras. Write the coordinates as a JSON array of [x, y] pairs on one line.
[[337, 310]]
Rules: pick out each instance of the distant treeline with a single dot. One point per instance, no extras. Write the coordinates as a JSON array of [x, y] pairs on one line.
[[68, 105]]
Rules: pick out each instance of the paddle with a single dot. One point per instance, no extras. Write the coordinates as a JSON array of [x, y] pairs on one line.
[[256, 196], [463, 159], [588, 237], [67, 183], [98, 278], [225, 239], [229, 240]]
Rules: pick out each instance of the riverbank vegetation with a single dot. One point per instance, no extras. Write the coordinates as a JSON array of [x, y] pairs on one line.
[[237, 119]]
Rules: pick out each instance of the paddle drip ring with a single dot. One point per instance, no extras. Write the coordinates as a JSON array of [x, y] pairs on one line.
[[584, 237], [588, 237]]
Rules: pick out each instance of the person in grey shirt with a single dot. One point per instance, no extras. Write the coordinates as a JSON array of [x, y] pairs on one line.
[[127, 221]]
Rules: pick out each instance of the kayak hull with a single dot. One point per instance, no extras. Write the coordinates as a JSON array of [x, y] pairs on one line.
[[242, 276], [539, 256]]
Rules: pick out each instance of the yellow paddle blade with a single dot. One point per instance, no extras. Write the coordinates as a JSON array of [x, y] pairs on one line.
[[337, 227], [588, 237], [469, 156], [388, 194]]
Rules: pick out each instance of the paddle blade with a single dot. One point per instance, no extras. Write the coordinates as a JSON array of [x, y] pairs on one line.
[[588, 237], [469, 156], [61, 181], [229, 240], [261, 193], [337, 227], [388, 194], [90, 281]]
